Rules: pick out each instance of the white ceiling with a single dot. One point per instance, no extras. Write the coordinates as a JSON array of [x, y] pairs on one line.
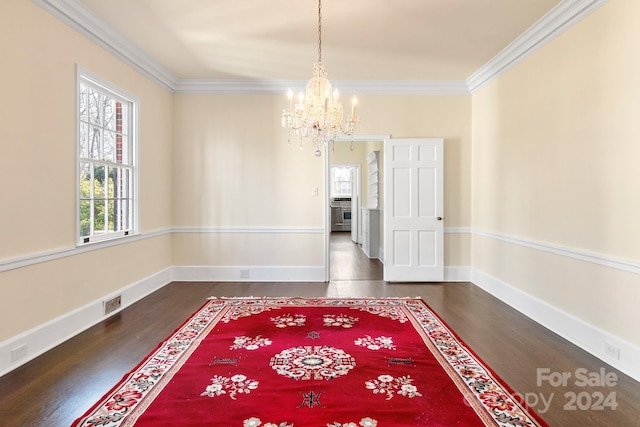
[[419, 40]]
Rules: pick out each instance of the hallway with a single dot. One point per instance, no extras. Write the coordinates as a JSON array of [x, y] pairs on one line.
[[348, 261]]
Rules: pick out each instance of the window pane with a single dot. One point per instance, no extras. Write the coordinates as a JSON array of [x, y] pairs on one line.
[[123, 190], [125, 219], [343, 188], [85, 218], [85, 181], [98, 217], [94, 107], [84, 140], [109, 146], [124, 151], [111, 205], [94, 143], [83, 102], [114, 182], [99, 182], [121, 215], [109, 113], [343, 174], [125, 118]]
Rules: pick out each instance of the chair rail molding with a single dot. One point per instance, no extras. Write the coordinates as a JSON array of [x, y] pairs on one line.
[[579, 254], [54, 254]]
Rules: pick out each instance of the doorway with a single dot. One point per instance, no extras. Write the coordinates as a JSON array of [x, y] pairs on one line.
[[345, 258]]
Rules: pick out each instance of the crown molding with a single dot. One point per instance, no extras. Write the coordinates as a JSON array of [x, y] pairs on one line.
[[375, 87], [82, 19], [86, 22], [558, 20]]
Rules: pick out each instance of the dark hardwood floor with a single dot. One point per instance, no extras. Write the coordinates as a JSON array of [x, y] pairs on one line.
[[348, 261], [62, 384]]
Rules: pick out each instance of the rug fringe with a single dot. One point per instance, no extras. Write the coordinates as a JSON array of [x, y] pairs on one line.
[[312, 298]]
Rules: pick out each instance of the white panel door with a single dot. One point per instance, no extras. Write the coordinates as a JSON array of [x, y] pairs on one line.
[[413, 204]]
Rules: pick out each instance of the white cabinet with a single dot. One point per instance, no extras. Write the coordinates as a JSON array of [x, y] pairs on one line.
[[373, 178], [371, 232]]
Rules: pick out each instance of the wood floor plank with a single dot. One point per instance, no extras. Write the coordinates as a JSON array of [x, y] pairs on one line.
[[62, 384]]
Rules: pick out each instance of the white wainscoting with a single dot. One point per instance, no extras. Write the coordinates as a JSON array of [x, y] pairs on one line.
[[578, 332], [54, 332], [582, 334]]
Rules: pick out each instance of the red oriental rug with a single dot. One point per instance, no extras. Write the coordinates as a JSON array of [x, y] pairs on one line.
[[294, 362]]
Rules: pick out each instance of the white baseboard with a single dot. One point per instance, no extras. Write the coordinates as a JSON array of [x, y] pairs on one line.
[[279, 274], [580, 333], [54, 332], [255, 274], [457, 274]]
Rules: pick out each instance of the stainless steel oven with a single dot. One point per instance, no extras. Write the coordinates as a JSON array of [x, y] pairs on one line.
[[340, 214]]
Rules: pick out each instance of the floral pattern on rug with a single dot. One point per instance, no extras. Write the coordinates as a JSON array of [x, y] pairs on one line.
[[287, 320], [375, 343], [231, 386], [365, 422], [235, 313], [386, 384], [257, 422], [392, 312], [339, 320], [250, 343], [312, 362]]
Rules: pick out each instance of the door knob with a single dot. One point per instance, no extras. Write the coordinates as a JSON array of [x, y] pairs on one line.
[[439, 218]]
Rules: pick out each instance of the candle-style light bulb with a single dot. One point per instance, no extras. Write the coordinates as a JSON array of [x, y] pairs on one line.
[[354, 101]]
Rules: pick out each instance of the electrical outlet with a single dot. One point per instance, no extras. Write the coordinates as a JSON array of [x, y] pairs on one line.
[[612, 351], [18, 352], [244, 273], [112, 305]]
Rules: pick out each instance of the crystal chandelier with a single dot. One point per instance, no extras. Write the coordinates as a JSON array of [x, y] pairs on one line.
[[318, 114]]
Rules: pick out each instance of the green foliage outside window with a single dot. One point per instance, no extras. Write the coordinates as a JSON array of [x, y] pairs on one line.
[[101, 202]]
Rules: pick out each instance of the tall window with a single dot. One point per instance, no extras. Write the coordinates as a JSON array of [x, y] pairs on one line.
[[106, 161]]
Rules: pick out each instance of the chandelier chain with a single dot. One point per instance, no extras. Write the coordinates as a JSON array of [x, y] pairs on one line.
[[320, 31]]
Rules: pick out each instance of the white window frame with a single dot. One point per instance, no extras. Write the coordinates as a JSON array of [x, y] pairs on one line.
[[88, 78]]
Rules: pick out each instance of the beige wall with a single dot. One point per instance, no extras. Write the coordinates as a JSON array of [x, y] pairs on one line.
[[555, 160], [37, 169], [234, 168]]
